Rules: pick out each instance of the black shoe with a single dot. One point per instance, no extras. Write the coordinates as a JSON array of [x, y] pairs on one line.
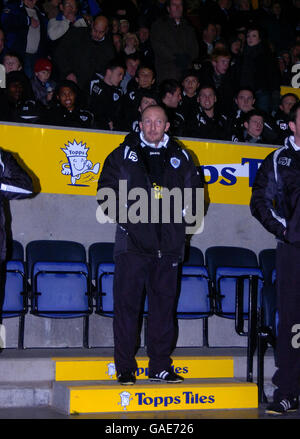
[[127, 378], [167, 376], [283, 406]]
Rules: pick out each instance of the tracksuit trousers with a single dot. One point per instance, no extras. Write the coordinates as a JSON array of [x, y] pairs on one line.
[[287, 376], [159, 276]]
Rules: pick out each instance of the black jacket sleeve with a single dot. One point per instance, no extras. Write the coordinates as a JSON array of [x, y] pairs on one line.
[[15, 183]]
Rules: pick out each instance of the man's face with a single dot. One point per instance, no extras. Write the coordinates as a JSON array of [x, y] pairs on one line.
[[132, 65], [146, 102], [11, 64], [221, 65], [172, 99], [287, 104], [245, 100], [30, 3], [143, 34], [255, 126], [207, 98], [99, 29], [210, 33], [145, 78], [175, 9], [190, 85], [15, 91], [67, 97], [115, 76], [154, 124], [295, 126], [69, 8]]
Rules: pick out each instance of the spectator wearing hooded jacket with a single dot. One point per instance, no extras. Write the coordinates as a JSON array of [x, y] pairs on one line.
[[42, 86]]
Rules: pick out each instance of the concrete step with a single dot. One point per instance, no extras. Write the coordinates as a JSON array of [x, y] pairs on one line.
[[103, 368], [109, 397], [25, 394]]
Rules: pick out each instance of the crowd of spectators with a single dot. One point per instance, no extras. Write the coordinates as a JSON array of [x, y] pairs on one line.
[[216, 66]]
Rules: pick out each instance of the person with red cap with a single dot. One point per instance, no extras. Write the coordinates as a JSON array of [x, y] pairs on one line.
[[42, 86]]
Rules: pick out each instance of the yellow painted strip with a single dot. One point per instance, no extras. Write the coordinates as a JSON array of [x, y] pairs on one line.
[[89, 369], [101, 399]]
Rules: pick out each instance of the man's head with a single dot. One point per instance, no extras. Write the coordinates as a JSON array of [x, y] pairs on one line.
[[245, 99], [207, 98], [190, 83], [99, 28], [132, 63], [143, 33], [294, 119], [66, 93], [15, 87], [12, 62], [175, 9], [69, 8], [209, 33], [220, 59], [254, 123], [30, 3], [154, 124], [146, 98], [114, 73], [145, 77], [170, 93], [287, 101], [42, 69]]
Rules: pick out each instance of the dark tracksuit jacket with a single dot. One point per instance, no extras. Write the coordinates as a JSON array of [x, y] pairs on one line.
[[15, 184], [147, 254], [275, 203]]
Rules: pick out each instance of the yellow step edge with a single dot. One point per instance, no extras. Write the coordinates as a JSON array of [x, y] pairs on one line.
[[103, 368], [203, 396]]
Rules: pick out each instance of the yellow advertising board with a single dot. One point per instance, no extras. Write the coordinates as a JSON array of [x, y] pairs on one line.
[[65, 161]]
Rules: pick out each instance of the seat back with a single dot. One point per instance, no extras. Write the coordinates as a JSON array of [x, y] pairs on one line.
[[15, 297], [99, 252], [225, 266], [60, 279]]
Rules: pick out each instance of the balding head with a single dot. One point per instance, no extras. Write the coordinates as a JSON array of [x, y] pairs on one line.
[[99, 28], [154, 124]]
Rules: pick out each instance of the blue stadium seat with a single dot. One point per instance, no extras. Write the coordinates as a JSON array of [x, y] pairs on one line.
[[267, 316], [237, 282], [195, 300], [60, 281], [15, 303]]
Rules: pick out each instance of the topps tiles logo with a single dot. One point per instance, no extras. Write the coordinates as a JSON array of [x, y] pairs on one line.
[[193, 400]]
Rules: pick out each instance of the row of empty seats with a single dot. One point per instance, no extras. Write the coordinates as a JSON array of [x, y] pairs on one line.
[[57, 279]]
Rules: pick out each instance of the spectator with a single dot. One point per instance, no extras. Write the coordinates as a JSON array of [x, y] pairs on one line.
[[253, 128], [124, 27], [206, 45], [146, 51], [207, 122], [282, 116], [130, 43], [279, 31], [220, 12], [190, 84], [245, 102], [259, 71], [121, 9], [146, 98], [144, 80], [43, 87], [106, 96], [68, 16], [170, 98], [13, 63], [2, 46], [14, 97], [217, 73], [25, 28], [118, 43], [132, 62], [51, 8], [243, 17], [85, 52], [174, 43], [285, 68], [67, 111]]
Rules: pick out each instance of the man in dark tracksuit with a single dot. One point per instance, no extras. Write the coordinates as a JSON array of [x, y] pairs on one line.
[[275, 203], [14, 184], [147, 253]]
